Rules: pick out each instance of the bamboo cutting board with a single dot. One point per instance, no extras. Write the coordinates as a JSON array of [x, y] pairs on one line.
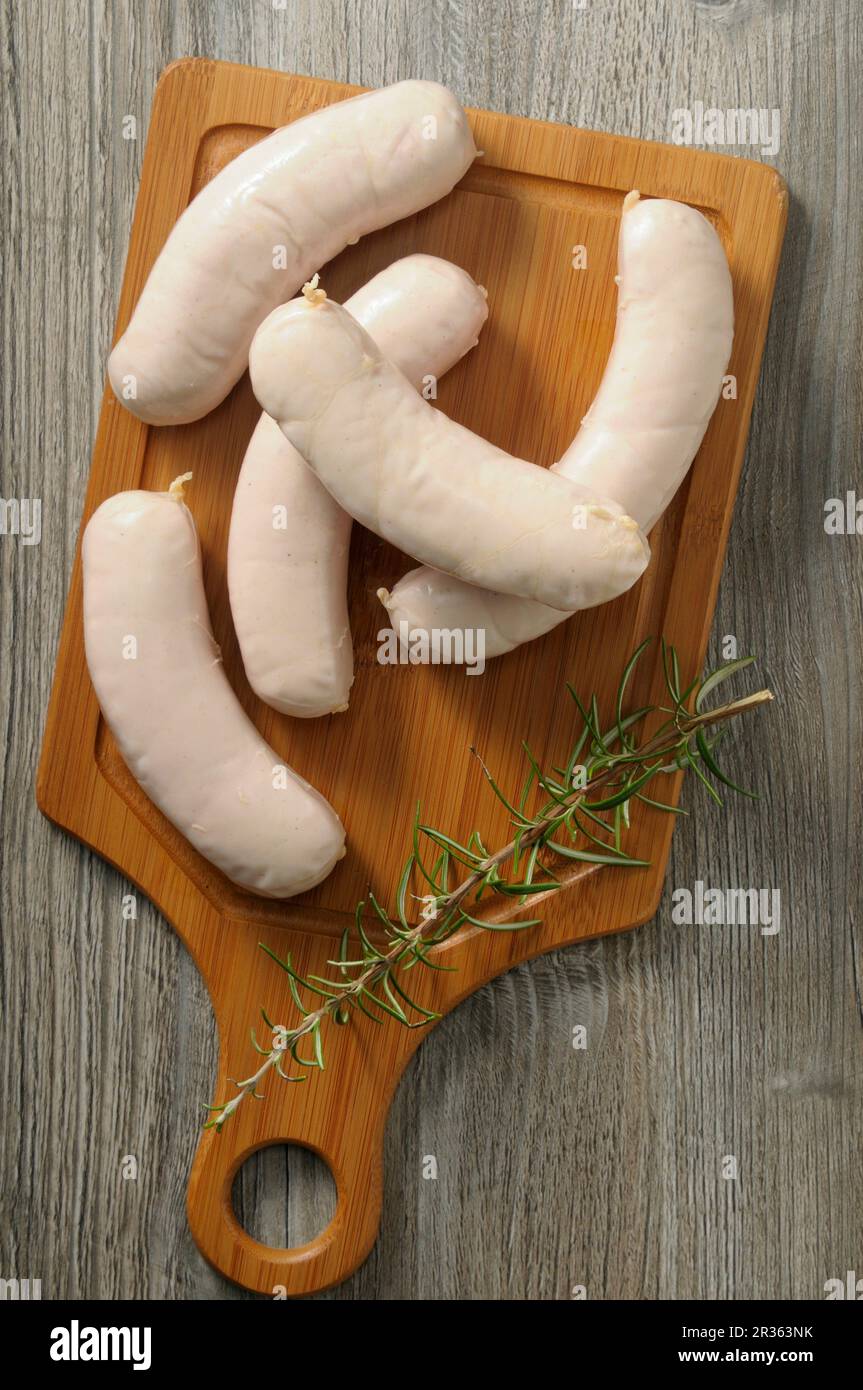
[[538, 192]]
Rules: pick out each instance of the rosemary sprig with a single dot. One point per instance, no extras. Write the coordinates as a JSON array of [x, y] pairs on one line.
[[582, 813]]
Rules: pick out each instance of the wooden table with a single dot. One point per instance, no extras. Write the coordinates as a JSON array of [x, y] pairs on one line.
[[557, 1168]]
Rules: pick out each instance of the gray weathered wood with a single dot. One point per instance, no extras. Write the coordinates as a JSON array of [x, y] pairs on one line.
[[556, 1167]]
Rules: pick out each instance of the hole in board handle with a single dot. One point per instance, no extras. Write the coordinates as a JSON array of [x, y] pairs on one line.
[[284, 1195]]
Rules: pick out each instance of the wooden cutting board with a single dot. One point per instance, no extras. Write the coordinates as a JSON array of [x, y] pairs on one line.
[[539, 191]]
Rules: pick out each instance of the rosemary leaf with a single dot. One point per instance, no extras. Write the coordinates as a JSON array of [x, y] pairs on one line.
[[709, 684], [710, 762], [460, 852], [693, 763], [623, 794], [587, 857]]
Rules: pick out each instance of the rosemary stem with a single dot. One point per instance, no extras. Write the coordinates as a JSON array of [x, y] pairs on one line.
[[663, 745], [251, 1084]]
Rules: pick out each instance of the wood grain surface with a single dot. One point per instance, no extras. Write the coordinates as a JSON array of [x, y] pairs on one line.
[[555, 1167]]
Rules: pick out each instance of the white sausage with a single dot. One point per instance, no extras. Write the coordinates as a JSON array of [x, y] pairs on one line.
[[672, 342], [289, 540], [270, 218], [157, 673], [425, 483]]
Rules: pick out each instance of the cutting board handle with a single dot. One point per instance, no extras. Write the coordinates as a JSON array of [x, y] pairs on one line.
[[282, 1273], [339, 1114]]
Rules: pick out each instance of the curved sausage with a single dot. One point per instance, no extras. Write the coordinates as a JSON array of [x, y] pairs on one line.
[[289, 540], [269, 219], [157, 673], [672, 342], [425, 483]]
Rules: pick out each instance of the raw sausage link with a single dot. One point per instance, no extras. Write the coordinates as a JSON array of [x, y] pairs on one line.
[[269, 219], [289, 540], [426, 484], [675, 324], [157, 673]]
